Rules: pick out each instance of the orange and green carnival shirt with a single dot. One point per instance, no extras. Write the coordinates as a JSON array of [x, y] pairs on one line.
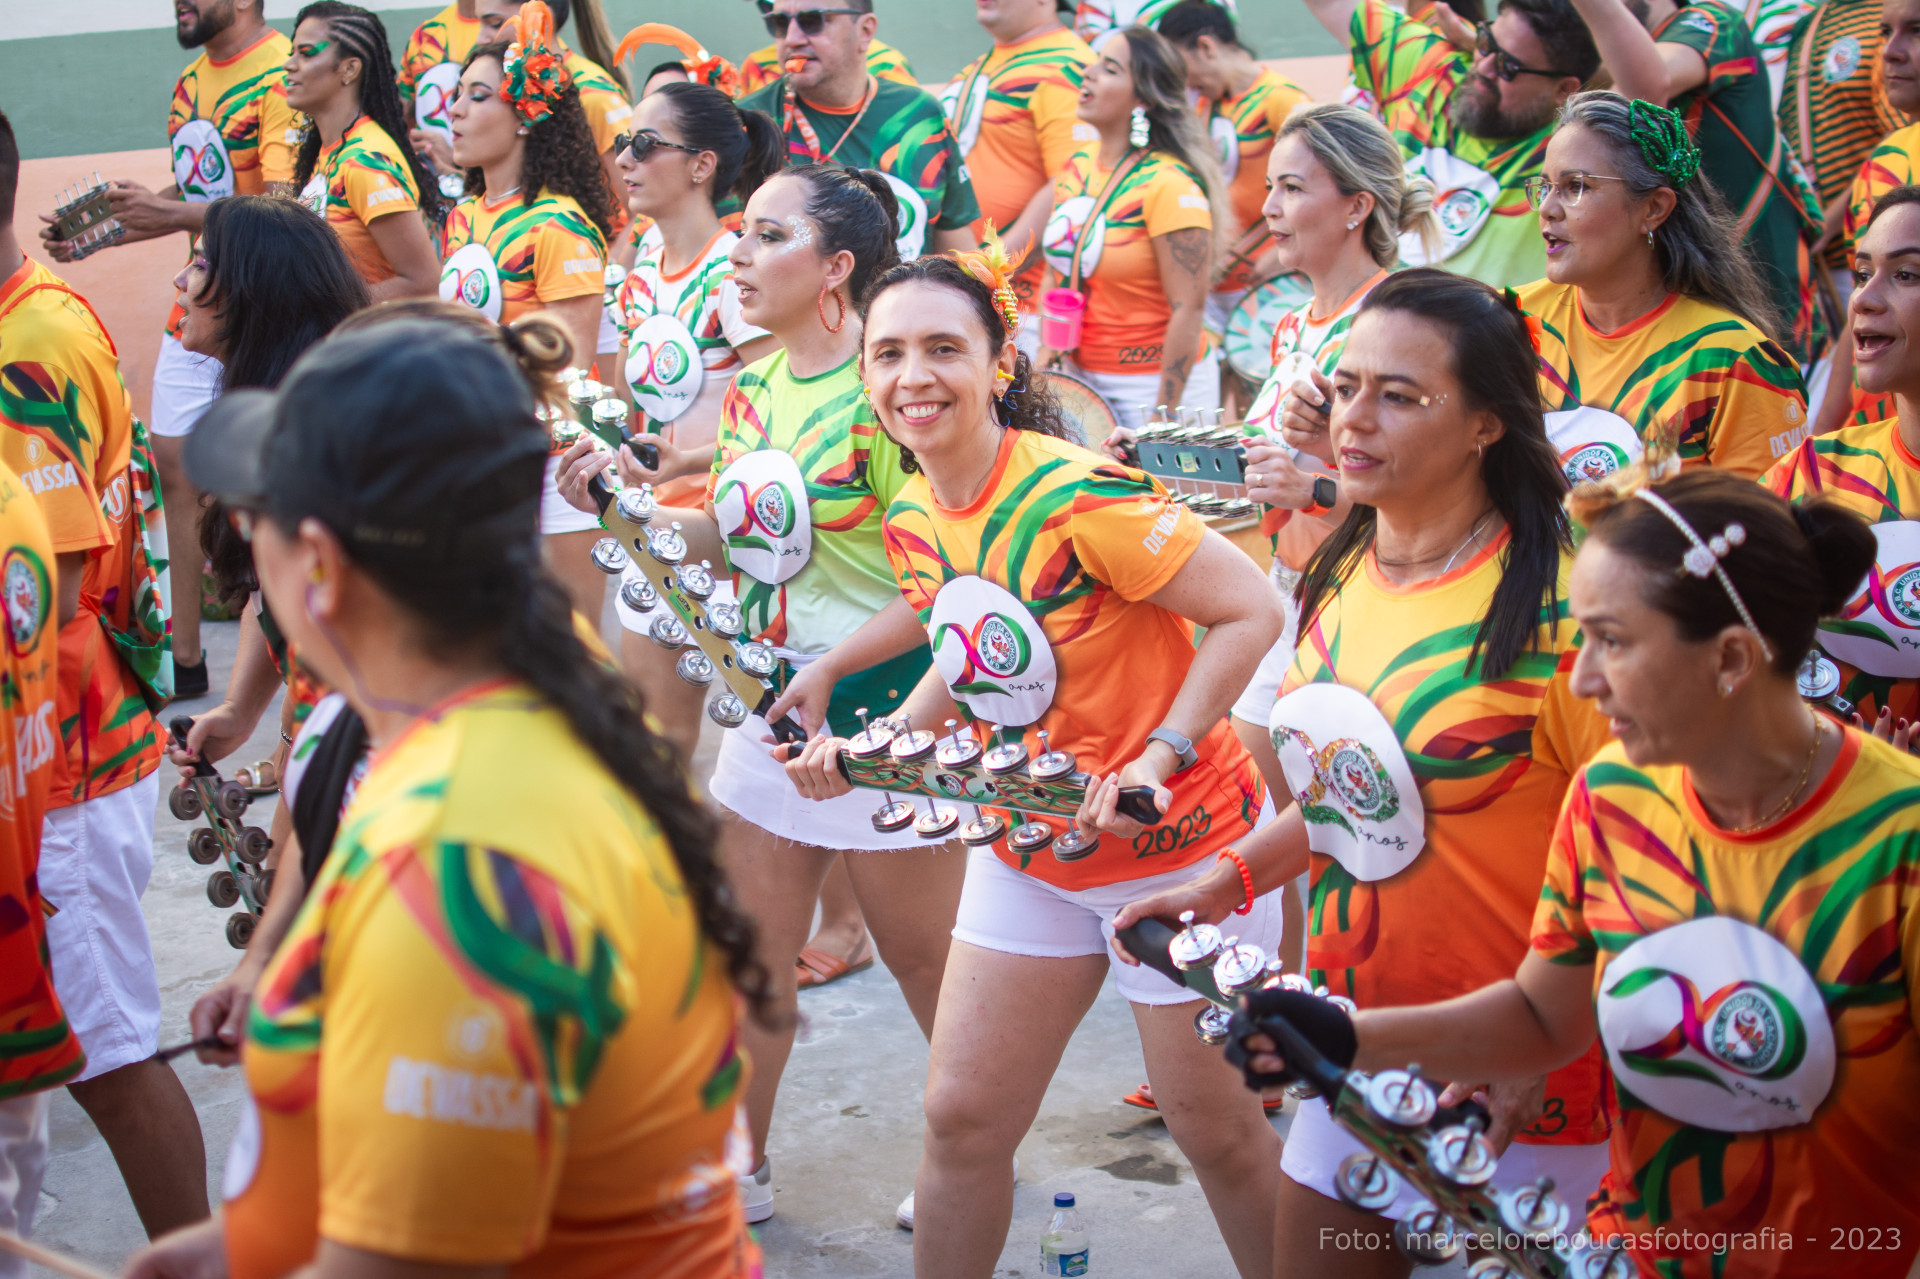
[[38, 1049], [762, 67], [1755, 996], [363, 176], [1095, 18], [1244, 130], [495, 1034], [430, 67], [508, 257], [1889, 165], [230, 129], [1013, 112], [680, 331], [1124, 328], [68, 434], [1410, 72], [1874, 645], [1430, 790], [603, 100], [1037, 598], [1729, 395]]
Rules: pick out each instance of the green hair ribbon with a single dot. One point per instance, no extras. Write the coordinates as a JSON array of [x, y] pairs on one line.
[[1661, 135]]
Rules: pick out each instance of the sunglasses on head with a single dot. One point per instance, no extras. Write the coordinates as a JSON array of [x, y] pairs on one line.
[[811, 21], [645, 144], [1505, 65]]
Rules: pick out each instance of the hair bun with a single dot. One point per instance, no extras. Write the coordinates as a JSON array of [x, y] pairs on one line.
[[876, 182], [1843, 545]]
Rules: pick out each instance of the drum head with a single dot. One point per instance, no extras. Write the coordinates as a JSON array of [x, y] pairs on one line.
[[1085, 408], [1248, 342]]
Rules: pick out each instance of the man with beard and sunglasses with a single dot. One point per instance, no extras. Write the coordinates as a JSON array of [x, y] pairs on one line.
[[232, 133], [762, 67], [1476, 124]]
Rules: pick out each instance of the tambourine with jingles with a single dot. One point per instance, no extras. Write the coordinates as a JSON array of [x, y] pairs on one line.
[[1441, 1152], [84, 219]]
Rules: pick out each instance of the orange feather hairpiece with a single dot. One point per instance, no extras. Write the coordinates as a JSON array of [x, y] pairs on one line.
[[991, 266], [705, 68], [536, 75]]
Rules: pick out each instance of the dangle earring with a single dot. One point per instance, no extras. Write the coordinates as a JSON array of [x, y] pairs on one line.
[[1649, 237], [1142, 129], [820, 305]]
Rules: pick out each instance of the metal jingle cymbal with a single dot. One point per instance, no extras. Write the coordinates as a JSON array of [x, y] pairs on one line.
[[938, 822], [1030, 837], [893, 816], [985, 828], [695, 668], [638, 594], [636, 505], [727, 710], [1210, 1025], [757, 660], [1075, 844], [724, 620], [610, 557], [668, 632]]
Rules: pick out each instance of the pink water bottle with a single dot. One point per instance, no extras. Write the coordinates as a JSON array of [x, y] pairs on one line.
[[1061, 312]]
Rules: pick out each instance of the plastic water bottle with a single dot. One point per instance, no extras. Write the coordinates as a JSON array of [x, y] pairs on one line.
[[1063, 1249]]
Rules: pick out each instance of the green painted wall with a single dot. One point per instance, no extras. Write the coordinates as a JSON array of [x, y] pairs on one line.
[[79, 95]]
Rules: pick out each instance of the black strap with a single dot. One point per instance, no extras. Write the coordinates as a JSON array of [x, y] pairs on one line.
[[316, 806]]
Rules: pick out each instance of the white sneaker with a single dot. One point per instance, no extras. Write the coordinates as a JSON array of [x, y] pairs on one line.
[[756, 1193], [903, 1215]]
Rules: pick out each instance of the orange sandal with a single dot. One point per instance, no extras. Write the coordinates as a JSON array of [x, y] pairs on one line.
[[817, 968], [1141, 1099]]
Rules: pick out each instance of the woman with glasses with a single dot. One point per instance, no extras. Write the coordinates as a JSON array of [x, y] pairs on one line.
[[1651, 318], [354, 166], [531, 233], [1727, 912], [1427, 728], [1133, 232], [680, 320]]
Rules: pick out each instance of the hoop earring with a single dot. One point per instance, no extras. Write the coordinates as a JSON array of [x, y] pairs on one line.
[[820, 305], [1142, 131]]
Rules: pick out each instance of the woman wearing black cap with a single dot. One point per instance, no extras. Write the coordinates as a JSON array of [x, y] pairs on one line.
[[515, 976]]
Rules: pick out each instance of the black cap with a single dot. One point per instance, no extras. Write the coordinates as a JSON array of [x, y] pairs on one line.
[[414, 439]]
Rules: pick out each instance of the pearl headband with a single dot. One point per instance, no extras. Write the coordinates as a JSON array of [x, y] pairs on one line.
[[1703, 558]]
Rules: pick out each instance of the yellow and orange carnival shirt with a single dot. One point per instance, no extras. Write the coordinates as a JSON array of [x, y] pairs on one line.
[[1012, 114], [507, 257], [762, 67], [603, 100], [230, 129], [1124, 329], [1430, 790], [442, 41], [362, 177], [1889, 165], [494, 1035], [1037, 599], [38, 1049], [1875, 644], [1244, 130], [66, 429], [1755, 995]]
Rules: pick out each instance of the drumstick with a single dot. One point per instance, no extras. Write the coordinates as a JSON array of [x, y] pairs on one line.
[[10, 1242]]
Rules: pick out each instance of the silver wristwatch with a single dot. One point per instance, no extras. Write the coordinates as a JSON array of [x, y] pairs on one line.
[[1183, 747]]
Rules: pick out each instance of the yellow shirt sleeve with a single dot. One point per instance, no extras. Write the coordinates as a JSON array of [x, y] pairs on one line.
[[1053, 107], [1175, 202], [372, 194], [1754, 425], [566, 266], [607, 115], [57, 465], [1130, 534], [280, 128], [1560, 931], [1570, 730]]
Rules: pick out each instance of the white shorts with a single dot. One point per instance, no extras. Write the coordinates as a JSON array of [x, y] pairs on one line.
[[1316, 1144], [95, 860], [23, 1167], [750, 784], [608, 342], [1125, 393], [1256, 704], [557, 515], [184, 384], [1004, 910]]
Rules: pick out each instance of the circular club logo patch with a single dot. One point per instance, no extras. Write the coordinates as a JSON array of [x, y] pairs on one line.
[[1843, 59], [664, 367], [431, 98], [1355, 788], [913, 219], [1715, 1023], [200, 165], [27, 588], [1592, 443], [1226, 144], [471, 278], [1063, 231], [965, 118], [991, 652], [1463, 200], [1879, 630], [761, 506], [1271, 403]]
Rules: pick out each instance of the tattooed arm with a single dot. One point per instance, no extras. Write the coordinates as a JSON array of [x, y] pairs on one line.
[[1186, 270]]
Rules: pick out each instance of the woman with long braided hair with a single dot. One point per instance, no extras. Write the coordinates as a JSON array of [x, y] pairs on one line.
[[354, 167]]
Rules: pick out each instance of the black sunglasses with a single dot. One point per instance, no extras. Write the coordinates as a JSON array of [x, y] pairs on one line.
[[645, 144], [812, 21], [1505, 65]]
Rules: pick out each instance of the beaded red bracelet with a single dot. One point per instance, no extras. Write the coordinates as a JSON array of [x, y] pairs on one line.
[[1246, 880]]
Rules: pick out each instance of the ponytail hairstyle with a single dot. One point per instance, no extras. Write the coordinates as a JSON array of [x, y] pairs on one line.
[[1029, 404], [1360, 155], [1698, 247], [559, 155], [858, 214], [1494, 362], [1173, 128], [358, 33], [748, 146], [594, 36], [1796, 564], [448, 448]]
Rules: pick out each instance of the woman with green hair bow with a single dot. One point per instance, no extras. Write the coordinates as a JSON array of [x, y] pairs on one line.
[[1653, 324]]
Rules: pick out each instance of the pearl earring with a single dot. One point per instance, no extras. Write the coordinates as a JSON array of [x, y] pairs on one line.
[[522, 130], [1141, 133], [1352, 225]]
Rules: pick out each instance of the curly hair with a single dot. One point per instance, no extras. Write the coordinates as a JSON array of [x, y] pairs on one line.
[[559, 157], [360, 34]]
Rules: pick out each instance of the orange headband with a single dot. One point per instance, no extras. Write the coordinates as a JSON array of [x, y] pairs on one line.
[[705, 68], [536, 75]]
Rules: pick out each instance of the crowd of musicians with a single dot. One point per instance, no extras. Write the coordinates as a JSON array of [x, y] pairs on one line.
[[1560, 736]]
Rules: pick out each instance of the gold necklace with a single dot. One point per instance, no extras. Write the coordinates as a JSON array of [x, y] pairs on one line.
[[1786, 805]]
